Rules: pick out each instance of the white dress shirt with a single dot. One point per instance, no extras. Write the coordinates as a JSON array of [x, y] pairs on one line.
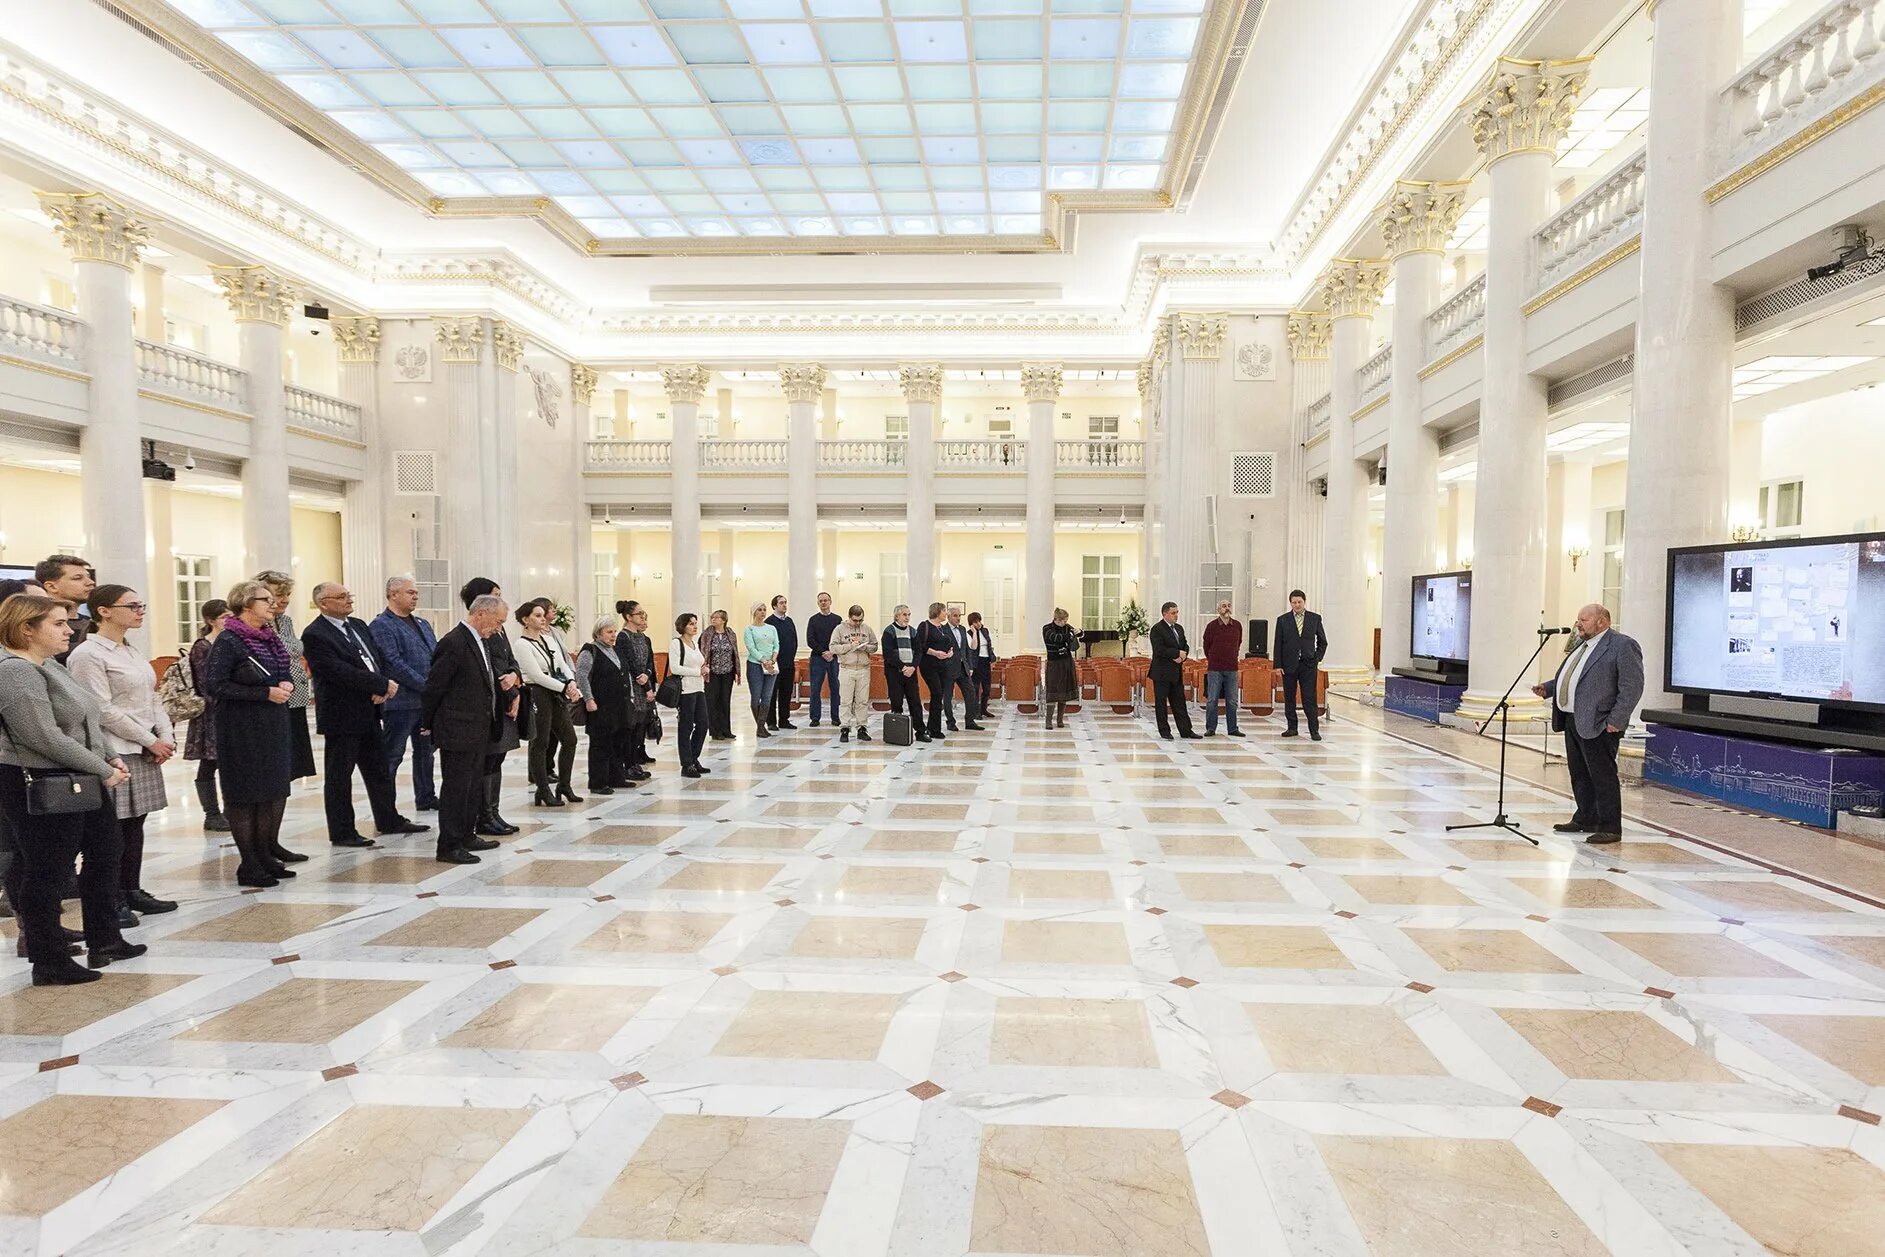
[[360, 647], [1574, 668]]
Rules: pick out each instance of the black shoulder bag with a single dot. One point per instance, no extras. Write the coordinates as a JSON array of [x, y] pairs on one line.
[[61, 793]]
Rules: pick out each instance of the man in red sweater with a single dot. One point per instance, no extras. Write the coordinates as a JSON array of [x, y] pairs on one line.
[[1223, 639]]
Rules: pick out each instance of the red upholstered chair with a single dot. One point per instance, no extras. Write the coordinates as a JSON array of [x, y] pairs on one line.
[[1255, 687], [1116, 688], [880, 689], [1023, 683]]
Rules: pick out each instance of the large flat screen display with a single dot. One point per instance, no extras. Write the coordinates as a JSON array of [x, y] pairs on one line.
[[13, 571], [1790, 619], [1443, 614]]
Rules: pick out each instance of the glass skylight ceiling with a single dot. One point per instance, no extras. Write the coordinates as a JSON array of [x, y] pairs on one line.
[[743, 118]]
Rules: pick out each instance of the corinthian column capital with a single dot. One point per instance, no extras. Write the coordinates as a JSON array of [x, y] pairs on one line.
[[687, 383], [920, 382], [1309, 335], [1201, 335], [507, 345], [256, 294], [1040, 381], [94, 227], [1526, 106], [1352, 287], [1420, 217], [460, 340], [582, 384], [802, 381], [357, 337]]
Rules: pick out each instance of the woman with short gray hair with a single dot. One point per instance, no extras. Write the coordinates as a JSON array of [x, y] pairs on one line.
[[604, 690], [281, 586]]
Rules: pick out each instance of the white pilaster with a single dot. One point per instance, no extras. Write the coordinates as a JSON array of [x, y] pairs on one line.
[[1191, 446], [150, 278], [263, 301], [1418, 219], [582, 400], [1517, 123], [1152, 393], [462, 488], [685, 386], [1040, 384], [501, 524], [922, 390], [1352, 289], [363, 526], [1677, 492], [1309, 335], [104, 240], [804, 385]]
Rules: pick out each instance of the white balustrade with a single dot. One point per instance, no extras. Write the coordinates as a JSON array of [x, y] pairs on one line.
[[190, 376], [727, 455], [990, 456], [612, 455], [309, 411], [40, 333], [862, 455], [1376, 374], [1457, 320], [1099, 455], [1316, 417], [1605, 216], [1826, 61]]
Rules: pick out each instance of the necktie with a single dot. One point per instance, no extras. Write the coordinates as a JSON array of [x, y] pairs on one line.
[[1299, 624]]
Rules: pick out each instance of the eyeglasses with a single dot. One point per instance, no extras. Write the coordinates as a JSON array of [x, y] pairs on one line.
[[138, 607]]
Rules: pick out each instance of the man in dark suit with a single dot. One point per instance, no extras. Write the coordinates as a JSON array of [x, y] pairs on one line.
[[463, 710], [962, 675], [350, 690], [1170, 649], [1299, 646], [1592, 698], [788, 662], [514, 729]]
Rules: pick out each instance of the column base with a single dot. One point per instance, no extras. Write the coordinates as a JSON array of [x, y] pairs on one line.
[[1525, 708]]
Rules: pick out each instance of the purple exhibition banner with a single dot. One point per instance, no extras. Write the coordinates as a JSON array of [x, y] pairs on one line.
[[1423, 700], [1801, 783]]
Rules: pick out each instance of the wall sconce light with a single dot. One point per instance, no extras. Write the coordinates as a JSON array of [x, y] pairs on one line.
[[821, 572], [1577, 552], [739, 573], [1466, 561], [942, 577], [634, 571], [1745, 532]]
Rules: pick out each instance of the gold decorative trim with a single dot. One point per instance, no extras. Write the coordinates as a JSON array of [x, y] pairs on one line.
[[1210, 63], [1316, 440], [323, 436], [1807, 137], [207, 409], [1371, 407], [1440, 364], [46, 368], [1583, 276]]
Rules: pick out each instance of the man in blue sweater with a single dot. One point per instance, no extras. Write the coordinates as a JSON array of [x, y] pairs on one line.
[[405, 644], [788, 663]]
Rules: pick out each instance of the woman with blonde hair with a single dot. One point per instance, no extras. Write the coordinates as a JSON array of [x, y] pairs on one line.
[[762, 665], [281, 587]]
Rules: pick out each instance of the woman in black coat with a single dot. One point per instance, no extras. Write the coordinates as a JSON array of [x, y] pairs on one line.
[[250, 677], [605, 701]]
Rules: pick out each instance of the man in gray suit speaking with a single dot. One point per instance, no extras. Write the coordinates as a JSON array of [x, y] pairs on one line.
[[1592, 699]]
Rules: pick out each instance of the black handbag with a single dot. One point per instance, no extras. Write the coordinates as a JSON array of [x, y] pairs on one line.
[[668, 694], [63, 794]]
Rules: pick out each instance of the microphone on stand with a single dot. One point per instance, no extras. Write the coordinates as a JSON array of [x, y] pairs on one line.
[[1552, 632]]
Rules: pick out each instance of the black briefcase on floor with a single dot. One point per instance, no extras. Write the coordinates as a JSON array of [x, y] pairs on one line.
[[897, 731]]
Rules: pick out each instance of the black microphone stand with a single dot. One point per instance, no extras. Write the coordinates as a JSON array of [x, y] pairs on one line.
[[1500, 820]]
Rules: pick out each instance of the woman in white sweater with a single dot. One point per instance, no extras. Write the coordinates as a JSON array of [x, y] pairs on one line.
[[686, 661], [550, 680]]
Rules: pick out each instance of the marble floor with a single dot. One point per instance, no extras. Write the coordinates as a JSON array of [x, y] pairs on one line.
[[1083, 993]]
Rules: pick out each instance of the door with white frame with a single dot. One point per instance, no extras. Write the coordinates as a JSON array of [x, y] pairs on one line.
[[999, 609]]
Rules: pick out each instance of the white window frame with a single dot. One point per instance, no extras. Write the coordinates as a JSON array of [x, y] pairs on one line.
[[1611, 561], [1772, 526], [1102, 589], [193, 582], [606, 565], [893, 582]]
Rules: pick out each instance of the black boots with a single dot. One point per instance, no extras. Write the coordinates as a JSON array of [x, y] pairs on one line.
[[213, 819], [759, 722]]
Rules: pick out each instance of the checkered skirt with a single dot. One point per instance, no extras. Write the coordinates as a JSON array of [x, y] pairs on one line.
[[144, 793]]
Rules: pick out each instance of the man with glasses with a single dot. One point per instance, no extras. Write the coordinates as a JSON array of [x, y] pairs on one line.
[[853, 643]]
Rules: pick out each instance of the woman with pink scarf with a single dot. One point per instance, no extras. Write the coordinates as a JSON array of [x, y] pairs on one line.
[[250, 677]]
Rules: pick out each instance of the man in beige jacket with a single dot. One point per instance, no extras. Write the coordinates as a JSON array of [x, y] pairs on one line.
[[853, 642]]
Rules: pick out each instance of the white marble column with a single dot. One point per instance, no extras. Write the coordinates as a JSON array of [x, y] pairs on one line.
[[582, 401], [263, 301], [1352, 289], [685, 386], [1677, 492], [104, 240], [461, 483], [502, 534], [1309, 335], [1518, 121], [922, 390], [1415, 225], [1040, 384], [363, 526], [1152, 391], [804, 385], [1191, 474]]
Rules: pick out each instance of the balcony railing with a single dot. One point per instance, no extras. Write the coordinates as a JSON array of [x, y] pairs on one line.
[[988, 456], [40, 333], [1827, 60], [1610, 213], [1316, 418], [612, 455], [1102, 455], [189, 376], [1459, 318], [321, 415], [1376, 374], [862, 455], [731, 455]]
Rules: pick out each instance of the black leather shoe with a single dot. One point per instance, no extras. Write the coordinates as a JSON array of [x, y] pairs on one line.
[[457, 855], [62, 973], [1570, 827], [430, 805], [503, 826], [973, 728], [649, 759], [261, 880], [281, 855], [218, 824], [863, 734], [814, 724], [353, 840], [1235, 733], [690, 772], [1315, 737], [785, 724], [844, 735], [405, 827], [569, 795], [546, 799], [1602, 839], [149, 904], [99, 957], [924, 737], [480, 844], [280, 872], [639, 775], [601, 789], [1192, 737], [127, 919], [1287, 733]]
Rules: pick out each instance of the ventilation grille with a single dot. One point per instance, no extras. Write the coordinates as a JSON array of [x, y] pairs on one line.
[[1253, 475], [416, 472], [1603, 380], [1802, 292]]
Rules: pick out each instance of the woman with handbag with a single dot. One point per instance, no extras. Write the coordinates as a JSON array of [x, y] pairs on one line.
[[249, 674], [762, 665], [723, 673], [301, 743], [1061, 684], [637, 656], [687, 673], [550, 680], [199, 744], [137, 731], [54, 772], [605, 701]]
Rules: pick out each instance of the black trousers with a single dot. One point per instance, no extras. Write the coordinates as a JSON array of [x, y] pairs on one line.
[[131, 855], [984, 683], [1301, 678], [971, 696], [607, 757], [940, 684], [551, 725], [1171, 694], [366, 751], [1594, 784], [782, 691], [690, 731], [44, 848], [461, 794], [905, 695], [720, 705], [634, 744]]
